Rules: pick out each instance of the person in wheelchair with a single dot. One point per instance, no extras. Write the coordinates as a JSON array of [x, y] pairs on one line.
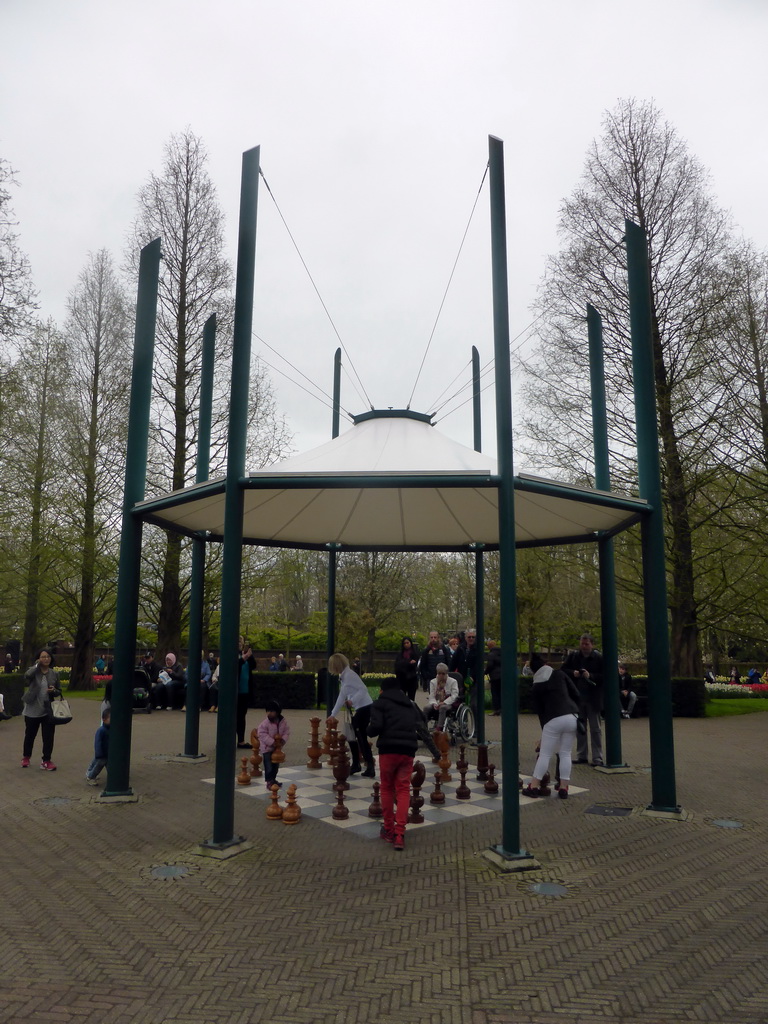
[[443, 695]]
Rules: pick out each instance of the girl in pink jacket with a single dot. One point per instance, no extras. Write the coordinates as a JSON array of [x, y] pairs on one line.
[[273, 725]]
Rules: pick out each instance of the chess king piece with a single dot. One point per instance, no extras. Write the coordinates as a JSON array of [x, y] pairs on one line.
[[437, 796], [291, 811], [256, 758], [491, 785], [443, 743], [244, 778], [415, 817], [376, 810], [274, 810], [314, 750]]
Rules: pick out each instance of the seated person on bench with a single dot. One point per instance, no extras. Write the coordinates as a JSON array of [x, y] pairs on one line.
[[443, 694]]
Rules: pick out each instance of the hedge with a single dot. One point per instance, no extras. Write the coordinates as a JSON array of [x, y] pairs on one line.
[[12, 686], [289, 689]]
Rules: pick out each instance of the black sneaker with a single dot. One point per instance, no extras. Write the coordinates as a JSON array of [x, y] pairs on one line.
[[580, 760], [597, 764], [369, 773]]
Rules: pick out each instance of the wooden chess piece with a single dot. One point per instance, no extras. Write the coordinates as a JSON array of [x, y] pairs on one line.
[[330, 725], [462, 760], [255, 759], [278, 754], [463, 791], [415, 817], [491, 785], [274, 810], [544, 789], [292, 811], [314, 750], [437, 796], [244, 778], [482, 762], [340, 812], [341, 765], [443, 743], [376, 810]]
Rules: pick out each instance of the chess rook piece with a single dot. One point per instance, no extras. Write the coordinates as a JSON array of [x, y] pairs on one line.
[[291, 811], [437, 796], [415, 817], [491, 785], [278, 754], [443, 743], [340, 812], [341, 765], [463, 791], [375, 810], [244, 778], [274, 810], [482, 762], [314, 750]]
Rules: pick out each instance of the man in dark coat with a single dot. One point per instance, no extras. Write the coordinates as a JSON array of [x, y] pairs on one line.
[[585, 667], [434, 653], [394, 722]]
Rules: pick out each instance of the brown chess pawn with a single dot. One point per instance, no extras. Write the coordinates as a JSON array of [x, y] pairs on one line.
[[314, 750], [482, 762], [278, 754], [462, 761], [274, 810], [463, 791], [244, 778], [375, 810], [292, 811], [491, 785], [340, 811], [415, 817], [437, 796], [341, 765], [443, 743]]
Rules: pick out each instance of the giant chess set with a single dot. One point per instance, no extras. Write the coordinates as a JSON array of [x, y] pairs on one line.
[[329, 792]]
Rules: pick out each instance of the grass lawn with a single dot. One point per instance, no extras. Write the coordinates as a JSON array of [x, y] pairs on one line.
[[85, 694], [735, 706]]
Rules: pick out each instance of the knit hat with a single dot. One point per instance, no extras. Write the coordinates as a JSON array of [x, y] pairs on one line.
[[272, 705]]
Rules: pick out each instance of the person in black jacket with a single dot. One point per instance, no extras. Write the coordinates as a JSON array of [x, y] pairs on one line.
[[585, 668], [556, 701], [394, 722], [432, 654], [406, 667]]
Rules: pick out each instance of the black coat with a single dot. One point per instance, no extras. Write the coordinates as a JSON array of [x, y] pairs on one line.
[[554, 697], [393, 721]]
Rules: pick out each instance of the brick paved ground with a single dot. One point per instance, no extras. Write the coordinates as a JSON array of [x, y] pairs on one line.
[[662, 921]]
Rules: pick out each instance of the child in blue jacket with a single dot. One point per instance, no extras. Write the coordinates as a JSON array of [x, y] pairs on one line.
[[100, 750]]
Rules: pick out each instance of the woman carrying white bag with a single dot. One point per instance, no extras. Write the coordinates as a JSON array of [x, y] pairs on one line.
[[43, 687]]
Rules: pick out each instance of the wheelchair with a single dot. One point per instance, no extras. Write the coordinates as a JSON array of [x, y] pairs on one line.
[[460, 721]]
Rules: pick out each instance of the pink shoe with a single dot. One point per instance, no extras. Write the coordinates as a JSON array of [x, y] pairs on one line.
[[25, 762], [47, 766]]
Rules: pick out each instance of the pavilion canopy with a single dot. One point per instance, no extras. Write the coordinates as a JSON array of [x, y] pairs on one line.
[[393, 482]]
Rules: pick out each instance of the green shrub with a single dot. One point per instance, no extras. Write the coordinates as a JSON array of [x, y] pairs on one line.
[[290, 689], [689, 696]]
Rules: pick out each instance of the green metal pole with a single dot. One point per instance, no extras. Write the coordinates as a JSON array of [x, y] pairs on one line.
[[127, 611], [612, 706], [192, 725], [510, 844], [479, 684], [332, 682], [652, 528], [224, 797]]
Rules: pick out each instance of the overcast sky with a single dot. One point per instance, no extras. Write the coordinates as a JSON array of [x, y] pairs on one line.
[[373, 121]]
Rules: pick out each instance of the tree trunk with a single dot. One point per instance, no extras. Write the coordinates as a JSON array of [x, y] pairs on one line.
[[169, 619]]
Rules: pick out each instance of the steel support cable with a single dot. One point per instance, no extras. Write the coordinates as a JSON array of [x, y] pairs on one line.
[[450, 279], [317, 290], [325, 400], [322, 401], [488, 368]]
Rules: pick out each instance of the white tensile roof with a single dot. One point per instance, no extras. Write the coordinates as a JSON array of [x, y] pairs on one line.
[[338, 493]]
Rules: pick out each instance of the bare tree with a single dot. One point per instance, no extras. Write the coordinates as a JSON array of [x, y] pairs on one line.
[[98, 336], [17, 296], [639, 169]]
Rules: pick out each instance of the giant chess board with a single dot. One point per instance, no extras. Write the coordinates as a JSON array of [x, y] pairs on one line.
[[316, 797]]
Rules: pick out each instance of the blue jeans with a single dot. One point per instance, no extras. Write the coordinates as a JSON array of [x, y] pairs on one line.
[[270, 770], [94, 768]]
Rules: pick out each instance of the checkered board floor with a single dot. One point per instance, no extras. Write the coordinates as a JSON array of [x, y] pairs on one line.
[[317, 800]]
